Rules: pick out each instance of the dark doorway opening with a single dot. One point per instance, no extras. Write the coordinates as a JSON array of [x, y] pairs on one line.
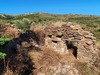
[[70, 46]]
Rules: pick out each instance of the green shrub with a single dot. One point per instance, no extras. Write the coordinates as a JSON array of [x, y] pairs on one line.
[[2, 41], [2, 55], [23, 24]]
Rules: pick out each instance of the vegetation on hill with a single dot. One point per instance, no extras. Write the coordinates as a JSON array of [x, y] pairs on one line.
[[2, 41], [24, 21], [26, 54]]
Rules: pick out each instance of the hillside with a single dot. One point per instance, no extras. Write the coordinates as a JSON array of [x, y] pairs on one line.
[[48, 44], [24, 21]]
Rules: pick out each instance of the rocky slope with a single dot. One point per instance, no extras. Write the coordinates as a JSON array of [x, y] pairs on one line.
[[72, 45], [60, 48]]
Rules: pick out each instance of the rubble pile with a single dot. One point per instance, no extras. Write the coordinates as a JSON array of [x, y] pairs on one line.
[[70, 36]]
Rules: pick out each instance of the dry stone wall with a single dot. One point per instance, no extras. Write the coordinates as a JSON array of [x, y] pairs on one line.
[[63, 37]]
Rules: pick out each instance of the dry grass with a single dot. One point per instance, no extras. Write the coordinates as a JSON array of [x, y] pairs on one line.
[[84, 69], [98, 45], [48, 57], [7, 71]]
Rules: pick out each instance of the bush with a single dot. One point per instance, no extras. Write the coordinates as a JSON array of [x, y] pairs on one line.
[[2, 41], [2, 55], [23, 24]]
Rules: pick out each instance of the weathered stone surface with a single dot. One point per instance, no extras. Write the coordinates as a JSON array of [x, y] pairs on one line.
[[57, 34]]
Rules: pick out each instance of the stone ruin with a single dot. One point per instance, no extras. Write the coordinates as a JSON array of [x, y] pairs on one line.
[[61, 37], [70, 37], [71, 42]]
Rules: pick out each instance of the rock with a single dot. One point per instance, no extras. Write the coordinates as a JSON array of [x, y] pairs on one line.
[[26, 44], [40, 73], [89, 42], [89, 36], [75, 27]]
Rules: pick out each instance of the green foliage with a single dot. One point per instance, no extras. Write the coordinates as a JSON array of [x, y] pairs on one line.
[[17, 74], [6, 17], [2, 55], [22, 24], [2, 41]]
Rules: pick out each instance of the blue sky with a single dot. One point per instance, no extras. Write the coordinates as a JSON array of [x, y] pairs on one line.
[[89, 7]]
